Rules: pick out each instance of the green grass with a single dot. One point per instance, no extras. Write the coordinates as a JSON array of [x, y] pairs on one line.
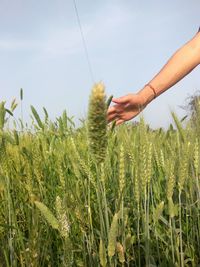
[[59, 207]]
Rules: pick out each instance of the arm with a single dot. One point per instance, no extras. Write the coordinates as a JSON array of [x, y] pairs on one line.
[[178, 66]]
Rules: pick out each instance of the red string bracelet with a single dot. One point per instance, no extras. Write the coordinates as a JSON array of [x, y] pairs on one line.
[[152, 88]]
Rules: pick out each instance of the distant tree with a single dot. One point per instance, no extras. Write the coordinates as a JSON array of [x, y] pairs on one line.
[[192, 107]]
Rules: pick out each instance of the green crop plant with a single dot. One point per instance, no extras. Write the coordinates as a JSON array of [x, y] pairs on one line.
[[96, 195]]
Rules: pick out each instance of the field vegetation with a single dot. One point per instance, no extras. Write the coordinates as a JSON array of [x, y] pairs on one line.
[[97, 195]]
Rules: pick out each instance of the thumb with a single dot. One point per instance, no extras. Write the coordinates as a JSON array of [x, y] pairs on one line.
[[121, 100]]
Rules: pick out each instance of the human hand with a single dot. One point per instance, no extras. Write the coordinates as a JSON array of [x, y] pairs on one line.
[[125, 108]]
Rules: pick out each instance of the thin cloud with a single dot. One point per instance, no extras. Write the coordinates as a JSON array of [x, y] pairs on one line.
[[17, 45], [61, 41]]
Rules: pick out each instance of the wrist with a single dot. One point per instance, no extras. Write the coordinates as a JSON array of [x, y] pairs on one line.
[[147, 94]]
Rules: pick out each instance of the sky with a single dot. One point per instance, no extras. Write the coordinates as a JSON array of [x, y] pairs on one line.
[[128, 42]]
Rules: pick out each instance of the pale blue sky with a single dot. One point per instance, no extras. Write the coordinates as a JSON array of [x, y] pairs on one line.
[[128, 42]]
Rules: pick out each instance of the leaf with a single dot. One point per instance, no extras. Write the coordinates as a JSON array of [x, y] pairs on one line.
[[46, 114], [21, 94], [179, 127], [7, 137], [9, 112], [2, 115], [172, 209], [37, 117], [158, 211], [16, 136], [129, 241], [13, 105], [113, 235], [102, 254], [109, 101], [48, 215]]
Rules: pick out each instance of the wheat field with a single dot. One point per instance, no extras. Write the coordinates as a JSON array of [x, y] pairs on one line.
[[98, 195]]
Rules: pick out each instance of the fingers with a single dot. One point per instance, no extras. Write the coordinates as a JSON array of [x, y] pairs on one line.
[[111, 110], [112, 117], [116, 116], [123, 110], [119, 121], [121, 100], [114, 112]]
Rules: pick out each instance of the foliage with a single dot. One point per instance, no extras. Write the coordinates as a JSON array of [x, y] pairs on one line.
[[58, 207]]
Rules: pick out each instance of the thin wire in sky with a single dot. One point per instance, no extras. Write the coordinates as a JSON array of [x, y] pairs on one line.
[[84, 44]]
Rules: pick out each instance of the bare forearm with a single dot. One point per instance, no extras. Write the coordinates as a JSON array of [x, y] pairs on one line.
[[178, 66]]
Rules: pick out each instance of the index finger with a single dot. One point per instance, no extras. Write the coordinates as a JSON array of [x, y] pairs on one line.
[[111, 110]]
